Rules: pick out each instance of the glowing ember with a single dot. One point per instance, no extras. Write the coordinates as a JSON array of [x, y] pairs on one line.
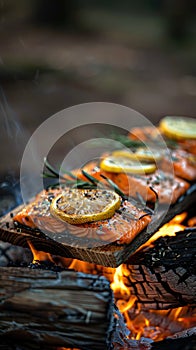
[[150, 324], [154, 324]]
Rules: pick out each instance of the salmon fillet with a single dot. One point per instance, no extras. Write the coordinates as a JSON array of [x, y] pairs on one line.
[[37, 213], [152, 134], [169, 188], [188, 145], [184, 164], [145, 134], [183, 156], [122, 227]]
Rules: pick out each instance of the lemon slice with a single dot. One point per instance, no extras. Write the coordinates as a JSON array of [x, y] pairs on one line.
[[179, 127], [141, 154], [116, 164], [77, 206]]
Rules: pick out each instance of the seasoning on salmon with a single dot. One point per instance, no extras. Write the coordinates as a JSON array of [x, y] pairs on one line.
[[79, 206], [188, 145], [122, 227], [152, 135], [168, 187], [184, 164], [145, 134], [37, 213]]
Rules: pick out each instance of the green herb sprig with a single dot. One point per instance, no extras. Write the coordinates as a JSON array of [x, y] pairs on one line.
[[92, 183], [74, 182]]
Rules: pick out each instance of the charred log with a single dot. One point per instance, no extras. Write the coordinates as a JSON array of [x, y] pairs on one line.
[[44, 309], [164, 276], [188, 343]]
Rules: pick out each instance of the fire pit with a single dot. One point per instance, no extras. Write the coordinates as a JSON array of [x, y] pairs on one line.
[[137, 293], [141, 293]]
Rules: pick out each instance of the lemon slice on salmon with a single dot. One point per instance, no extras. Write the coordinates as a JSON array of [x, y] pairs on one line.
[[77, 206], [117, 164], [178, 128], [141, 154]]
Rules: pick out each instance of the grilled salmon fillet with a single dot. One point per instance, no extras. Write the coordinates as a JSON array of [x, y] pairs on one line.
[[182, 156], [122, 227], [184, 164], [152, 134], [36, 214], [145, 134], [188, 145], [169, 188]]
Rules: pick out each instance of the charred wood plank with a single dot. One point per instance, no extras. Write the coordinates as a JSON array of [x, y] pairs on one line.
[[164, 276], [55, 309], [111, 255]]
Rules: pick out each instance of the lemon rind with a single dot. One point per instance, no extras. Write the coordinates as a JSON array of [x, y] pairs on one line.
[[143, 169], [173, 132], [154, 157], [76, 219]]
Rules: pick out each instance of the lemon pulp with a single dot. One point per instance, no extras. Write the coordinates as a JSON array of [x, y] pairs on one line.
[[117, 164], [77, 206], [141, 154], [179, 127]]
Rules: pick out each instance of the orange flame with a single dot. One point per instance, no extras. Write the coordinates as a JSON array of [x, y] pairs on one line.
[[140, 322], [39, 255], [169, 229], [140, 325]]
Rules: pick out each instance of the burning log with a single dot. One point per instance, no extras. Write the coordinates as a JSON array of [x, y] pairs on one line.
[[46, 309], [164, 275], [184, 341]]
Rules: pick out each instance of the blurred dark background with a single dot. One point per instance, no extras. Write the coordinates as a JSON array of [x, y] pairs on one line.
[[55, 54]]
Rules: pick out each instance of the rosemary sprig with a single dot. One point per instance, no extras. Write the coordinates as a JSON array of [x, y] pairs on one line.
[[46, 175], [85, 186], [52, 169], [126, 141], [91, 182], [115, 187], [90, 177], [70, 174]]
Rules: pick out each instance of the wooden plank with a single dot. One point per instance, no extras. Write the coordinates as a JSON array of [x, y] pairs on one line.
[[111, 255]]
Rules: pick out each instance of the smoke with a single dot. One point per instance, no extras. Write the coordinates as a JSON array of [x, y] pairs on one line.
[[13, 138], [10, 124]]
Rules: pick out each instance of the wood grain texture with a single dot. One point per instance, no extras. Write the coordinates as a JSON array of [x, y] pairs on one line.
[[111, 255], [45, 309]]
